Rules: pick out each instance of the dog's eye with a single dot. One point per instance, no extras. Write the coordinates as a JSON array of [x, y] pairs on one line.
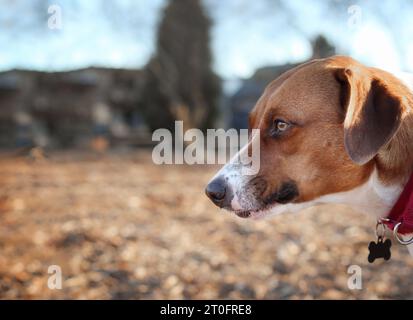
[[280, 126]]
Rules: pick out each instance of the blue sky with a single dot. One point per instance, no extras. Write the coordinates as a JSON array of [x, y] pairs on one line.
[[245, 35]]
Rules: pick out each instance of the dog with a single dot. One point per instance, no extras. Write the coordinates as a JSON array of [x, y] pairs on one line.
[[330, 131]]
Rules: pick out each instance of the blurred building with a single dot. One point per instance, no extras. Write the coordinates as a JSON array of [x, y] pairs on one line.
[[100, 106], [69, 108]]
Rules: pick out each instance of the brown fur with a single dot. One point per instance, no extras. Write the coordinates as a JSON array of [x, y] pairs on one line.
[[330, 102]]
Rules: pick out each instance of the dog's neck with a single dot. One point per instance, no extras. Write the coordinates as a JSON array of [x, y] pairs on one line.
[[373, 197], [393, 167]]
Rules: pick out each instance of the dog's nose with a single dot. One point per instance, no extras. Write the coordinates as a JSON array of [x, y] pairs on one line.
[[217, 191]]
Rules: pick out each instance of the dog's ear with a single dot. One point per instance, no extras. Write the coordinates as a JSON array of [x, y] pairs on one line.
[[372, 114]]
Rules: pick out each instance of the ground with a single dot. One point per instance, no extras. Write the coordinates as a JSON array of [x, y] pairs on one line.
[[120, 227]]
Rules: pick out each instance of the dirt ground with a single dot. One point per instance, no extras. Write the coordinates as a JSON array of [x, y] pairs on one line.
[[120, 227]]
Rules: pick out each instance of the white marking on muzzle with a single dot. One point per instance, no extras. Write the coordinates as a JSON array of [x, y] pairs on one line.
[[241, 168]]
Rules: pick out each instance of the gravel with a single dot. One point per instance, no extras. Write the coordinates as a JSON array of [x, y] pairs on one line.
[[120, 227]]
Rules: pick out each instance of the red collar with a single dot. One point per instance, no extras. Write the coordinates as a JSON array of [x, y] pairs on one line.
[[402, 211]]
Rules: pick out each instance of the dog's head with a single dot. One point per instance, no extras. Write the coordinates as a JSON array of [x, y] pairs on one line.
[[321, 126]]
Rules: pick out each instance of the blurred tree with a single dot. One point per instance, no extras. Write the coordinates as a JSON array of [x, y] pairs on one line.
[[322, 48], [180, 84]]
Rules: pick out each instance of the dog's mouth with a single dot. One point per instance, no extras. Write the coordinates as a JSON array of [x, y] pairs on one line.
[[255, 214], [286, 194]]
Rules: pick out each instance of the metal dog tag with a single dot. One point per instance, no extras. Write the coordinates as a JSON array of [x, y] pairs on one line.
[[381, 249]]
